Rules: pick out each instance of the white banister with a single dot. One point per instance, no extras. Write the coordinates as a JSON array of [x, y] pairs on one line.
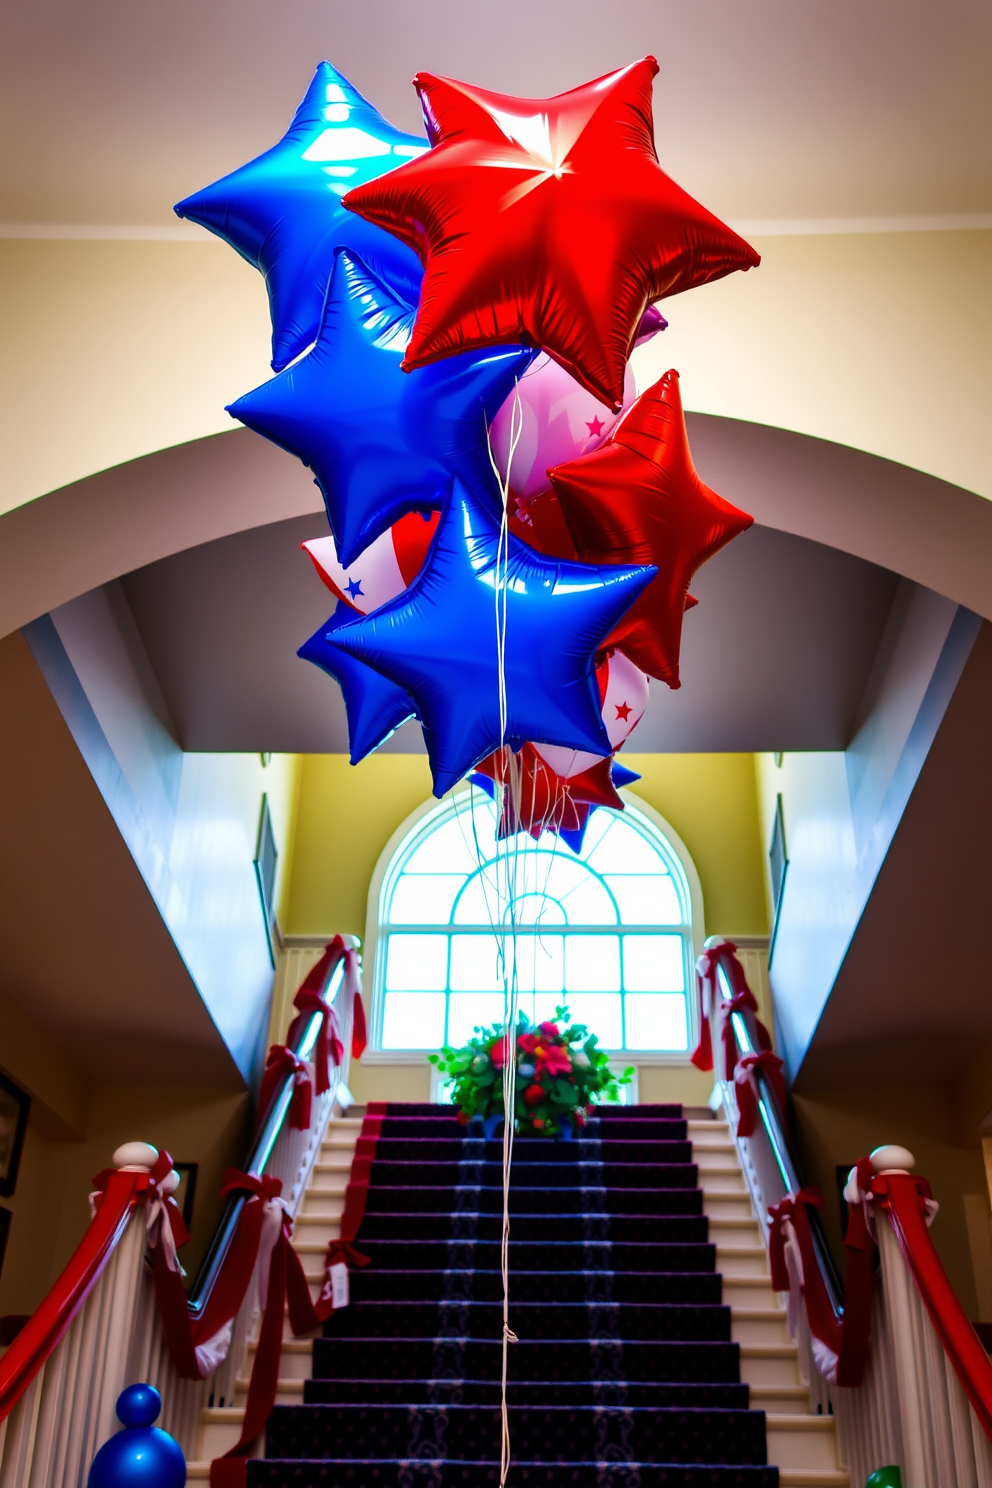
[[69, 1409], [910, 1410]]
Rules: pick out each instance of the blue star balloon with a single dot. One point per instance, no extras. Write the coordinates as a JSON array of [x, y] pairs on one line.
[[375, 707], [379, 441], [438, 641], [620, 776], [283, 212]]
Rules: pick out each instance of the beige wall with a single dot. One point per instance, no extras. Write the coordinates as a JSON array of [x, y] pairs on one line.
[[880, 341]]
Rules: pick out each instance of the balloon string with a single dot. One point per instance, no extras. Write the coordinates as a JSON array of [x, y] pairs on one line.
[[511, 988]]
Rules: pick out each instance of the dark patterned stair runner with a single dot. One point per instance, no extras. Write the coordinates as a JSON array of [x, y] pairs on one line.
[[625, 1375]]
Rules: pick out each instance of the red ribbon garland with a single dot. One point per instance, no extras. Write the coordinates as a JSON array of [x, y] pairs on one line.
[[742, 999], [309, 1000], [280, 1062], [287, 1286], [823, 1323], [903, 1198], [746, 1087], [846, 1339]]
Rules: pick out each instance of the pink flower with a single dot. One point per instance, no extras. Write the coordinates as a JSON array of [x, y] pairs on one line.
[[556, 1061], [529, 1043], [551, 1030]]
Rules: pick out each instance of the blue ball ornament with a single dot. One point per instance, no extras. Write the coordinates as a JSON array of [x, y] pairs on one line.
[[140, 1456]]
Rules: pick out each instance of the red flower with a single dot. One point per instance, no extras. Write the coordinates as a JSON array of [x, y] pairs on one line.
[[497, 1052], [538, 1123], [533, 1094], [556, 1061], [551, 1029], [529, 1043]]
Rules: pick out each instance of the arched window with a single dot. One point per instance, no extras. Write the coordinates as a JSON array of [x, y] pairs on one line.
[[607, 930]]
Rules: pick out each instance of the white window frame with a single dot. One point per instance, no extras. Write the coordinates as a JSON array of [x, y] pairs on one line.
[[384, 869]]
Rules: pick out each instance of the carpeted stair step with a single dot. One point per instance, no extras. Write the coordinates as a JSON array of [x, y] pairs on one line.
[[537, 1286], [485, 1473], [540, 1433], [530, 1392], [657, 1229], [556, 1175], [672, 1362], [537, 1320], [526, 1150], [547, 1255], [448, 1128], [413, 1199], [649, 1109]]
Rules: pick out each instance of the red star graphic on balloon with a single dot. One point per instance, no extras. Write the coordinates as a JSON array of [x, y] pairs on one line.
[[537, 799], [595, 427], [623, 711], [638, 499], [547, 222]]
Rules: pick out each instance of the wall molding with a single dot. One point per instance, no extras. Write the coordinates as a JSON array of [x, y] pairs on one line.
[[758, 227]]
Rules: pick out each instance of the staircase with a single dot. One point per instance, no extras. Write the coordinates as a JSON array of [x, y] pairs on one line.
[[703, 1388]]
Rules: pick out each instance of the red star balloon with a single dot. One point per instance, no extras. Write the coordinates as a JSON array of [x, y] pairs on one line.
[[638, 499], [536, 798], [547, 222]]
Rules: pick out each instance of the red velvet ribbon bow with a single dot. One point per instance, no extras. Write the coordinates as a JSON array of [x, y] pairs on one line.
[[843, 1352], [279, 1064], [148, 1184], [746, 1087], [343, 1250], [309, 1000], [741, 1000], [339, 1252]]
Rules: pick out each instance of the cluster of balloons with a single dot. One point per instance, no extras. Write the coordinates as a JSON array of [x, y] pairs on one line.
[[512, 529]]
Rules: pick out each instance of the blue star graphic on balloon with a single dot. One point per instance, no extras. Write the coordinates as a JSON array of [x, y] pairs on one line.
[[438, 641], [283, 212], [375, 707], [379, 441], [354, 588]]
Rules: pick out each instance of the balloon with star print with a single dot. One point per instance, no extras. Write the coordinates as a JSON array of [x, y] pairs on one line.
[[283, 212], [550, 418], [623, 691], [387, 566], [546, 221], [381, 442], [438, 641]]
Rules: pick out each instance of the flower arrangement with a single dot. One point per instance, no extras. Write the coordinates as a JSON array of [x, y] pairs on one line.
[[561, 1073]]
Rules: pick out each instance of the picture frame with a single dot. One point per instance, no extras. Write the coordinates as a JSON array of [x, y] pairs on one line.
[[266, 857], [15, 1107], [185, 1194], [6, 1215], [778, 867]]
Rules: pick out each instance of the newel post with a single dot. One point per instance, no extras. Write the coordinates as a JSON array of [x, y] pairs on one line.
[[902, 1303]]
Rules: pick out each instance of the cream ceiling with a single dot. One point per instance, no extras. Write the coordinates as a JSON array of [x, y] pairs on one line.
[[766, 109]]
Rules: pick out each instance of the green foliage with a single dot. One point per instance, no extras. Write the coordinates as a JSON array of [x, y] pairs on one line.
[[561, 1074]]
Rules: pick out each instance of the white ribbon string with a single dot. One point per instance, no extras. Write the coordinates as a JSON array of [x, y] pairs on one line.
[[511, 864]]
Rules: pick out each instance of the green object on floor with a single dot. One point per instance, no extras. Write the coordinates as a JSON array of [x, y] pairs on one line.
[[886, 1477]]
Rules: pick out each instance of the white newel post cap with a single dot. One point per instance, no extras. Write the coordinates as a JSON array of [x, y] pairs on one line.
[[892, 1160], [135, 1157], [170, 1182]]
